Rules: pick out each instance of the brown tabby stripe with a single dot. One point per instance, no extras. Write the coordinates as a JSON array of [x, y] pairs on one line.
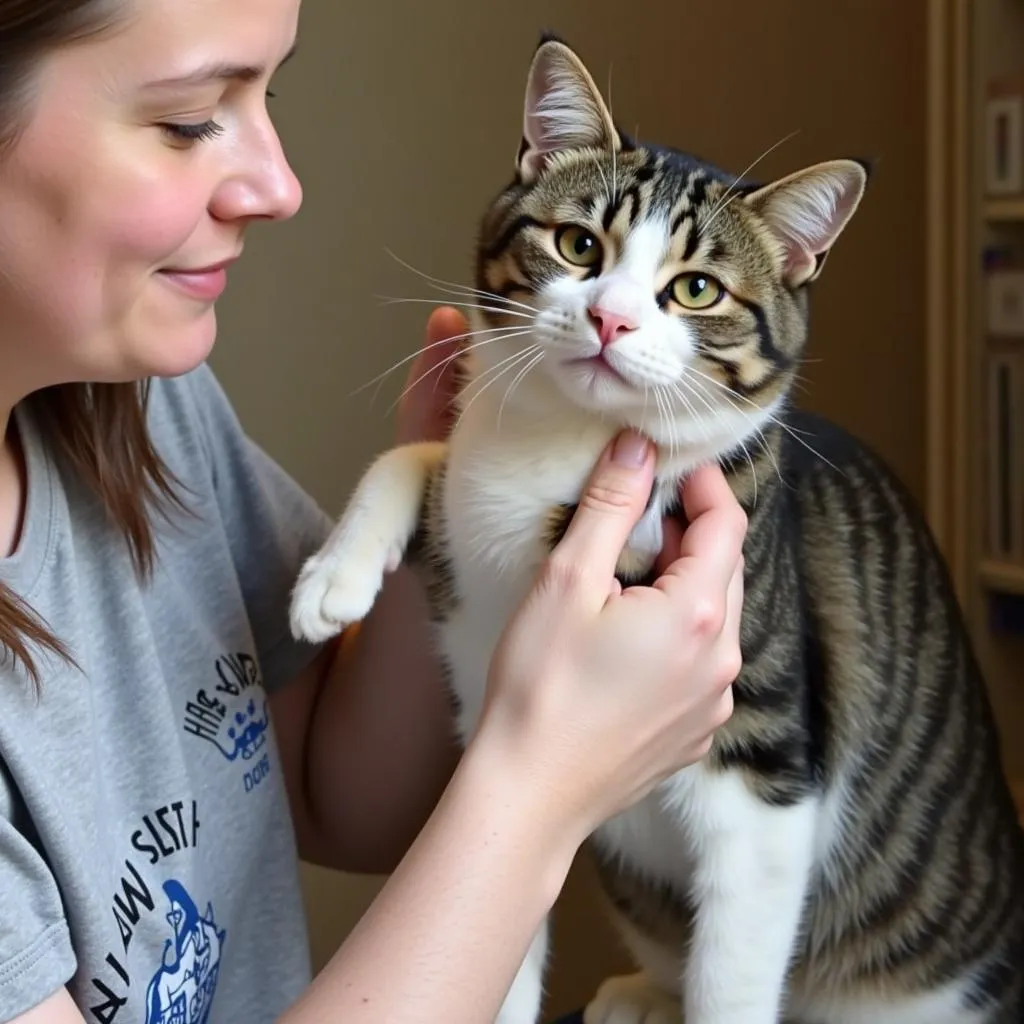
[[521, 223], [427, 552], [666, 913]]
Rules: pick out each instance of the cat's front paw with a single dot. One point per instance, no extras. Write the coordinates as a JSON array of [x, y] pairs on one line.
[[335, 589], [633, 999]]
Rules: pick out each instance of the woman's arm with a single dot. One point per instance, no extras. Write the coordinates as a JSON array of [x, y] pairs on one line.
[[366, 737], [448, 931], [366, 733]]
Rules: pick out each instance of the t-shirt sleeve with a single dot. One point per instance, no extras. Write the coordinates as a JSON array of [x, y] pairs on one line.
[[36, 958], [272, 526]]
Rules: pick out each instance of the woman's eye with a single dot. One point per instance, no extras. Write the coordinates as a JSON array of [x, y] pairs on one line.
[[192, 132]]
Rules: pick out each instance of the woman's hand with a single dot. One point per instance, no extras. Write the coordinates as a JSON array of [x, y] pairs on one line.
[[425, 412], [599, 694]]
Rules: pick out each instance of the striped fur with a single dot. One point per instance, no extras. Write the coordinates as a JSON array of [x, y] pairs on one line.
[[848, 851]]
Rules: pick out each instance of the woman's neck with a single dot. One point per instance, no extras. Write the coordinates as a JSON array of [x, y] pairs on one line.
[[13, 487]]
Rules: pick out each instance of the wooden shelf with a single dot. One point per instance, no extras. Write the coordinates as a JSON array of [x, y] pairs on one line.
[[998, 211], [1006, 577]]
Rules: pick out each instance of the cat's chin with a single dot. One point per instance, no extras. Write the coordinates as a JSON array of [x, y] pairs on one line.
[[596, 386]]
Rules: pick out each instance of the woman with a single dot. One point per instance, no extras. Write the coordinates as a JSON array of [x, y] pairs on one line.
[[166, 751]]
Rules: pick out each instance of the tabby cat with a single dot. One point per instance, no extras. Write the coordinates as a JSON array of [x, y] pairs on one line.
[[848, 852]]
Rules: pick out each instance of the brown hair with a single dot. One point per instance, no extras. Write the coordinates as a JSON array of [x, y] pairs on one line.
[[98, 429]]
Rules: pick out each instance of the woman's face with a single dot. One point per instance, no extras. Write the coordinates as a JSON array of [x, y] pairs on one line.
[[145, 154]]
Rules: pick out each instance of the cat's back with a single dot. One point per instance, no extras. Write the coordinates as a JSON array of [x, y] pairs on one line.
[[887, 635], [923, 869]]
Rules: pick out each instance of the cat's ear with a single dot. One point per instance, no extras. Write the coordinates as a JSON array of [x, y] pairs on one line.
[[563, 110], [807, 212]]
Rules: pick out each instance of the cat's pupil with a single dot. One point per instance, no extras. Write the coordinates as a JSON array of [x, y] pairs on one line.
[[697, 286], [584, 243]]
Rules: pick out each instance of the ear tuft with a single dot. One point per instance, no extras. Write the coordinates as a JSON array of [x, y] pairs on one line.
[[563, 109], [808, 210]]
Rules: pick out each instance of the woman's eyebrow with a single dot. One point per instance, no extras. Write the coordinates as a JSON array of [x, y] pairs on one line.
[[218, 71]]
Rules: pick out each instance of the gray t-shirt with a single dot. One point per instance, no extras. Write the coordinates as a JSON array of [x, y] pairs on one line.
[[147, 858]]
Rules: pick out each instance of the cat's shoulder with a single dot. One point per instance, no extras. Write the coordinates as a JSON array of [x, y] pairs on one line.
[[818, 447]]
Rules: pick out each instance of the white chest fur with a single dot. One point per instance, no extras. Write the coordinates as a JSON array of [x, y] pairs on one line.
[[503, 480]]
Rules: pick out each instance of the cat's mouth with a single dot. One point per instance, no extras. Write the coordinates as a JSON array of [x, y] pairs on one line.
[[600, 368]]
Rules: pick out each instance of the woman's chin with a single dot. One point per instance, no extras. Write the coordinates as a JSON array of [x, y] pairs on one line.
[[175, 349]]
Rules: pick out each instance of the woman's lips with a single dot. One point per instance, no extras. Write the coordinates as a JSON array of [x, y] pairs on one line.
[[203, 283]]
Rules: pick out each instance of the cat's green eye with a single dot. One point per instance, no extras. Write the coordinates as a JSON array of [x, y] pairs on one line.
[[696, 291], [578, 246]]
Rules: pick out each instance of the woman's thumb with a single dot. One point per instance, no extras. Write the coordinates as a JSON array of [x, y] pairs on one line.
[[612, 503]]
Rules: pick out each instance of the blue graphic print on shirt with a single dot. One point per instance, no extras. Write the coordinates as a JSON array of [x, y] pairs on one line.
[[233, 716], [182, 989]]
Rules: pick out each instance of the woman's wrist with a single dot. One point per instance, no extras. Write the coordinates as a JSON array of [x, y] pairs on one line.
[[448, 931], [502, 783]]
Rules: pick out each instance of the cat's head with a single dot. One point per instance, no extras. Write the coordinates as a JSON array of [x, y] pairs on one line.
[[660, 290]]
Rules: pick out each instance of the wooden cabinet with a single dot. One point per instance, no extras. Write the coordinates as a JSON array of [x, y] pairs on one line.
[[975, 432]]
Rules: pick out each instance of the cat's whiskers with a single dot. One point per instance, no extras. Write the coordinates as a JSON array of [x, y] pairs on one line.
[[454, 288], [665, 409], [661, 412], [502, 367], [390, 300], [690, 411], [604, 178], [692, 387], [512, 332], [440, 367], [538, 357], [725, 200], [757, 431], [611, 115], [795, 434]]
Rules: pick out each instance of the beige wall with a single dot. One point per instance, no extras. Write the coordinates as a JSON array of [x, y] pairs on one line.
[[402, 117]]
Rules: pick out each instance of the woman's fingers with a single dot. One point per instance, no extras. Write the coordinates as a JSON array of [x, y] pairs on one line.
[[712, 542], [611, 505], [425, 412]]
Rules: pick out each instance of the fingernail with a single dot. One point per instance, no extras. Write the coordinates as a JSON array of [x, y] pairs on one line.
[[630, 449]]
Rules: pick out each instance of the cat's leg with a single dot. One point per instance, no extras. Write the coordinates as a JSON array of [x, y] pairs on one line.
[[754, 862], [654, 929], [523, 1002], [950, 1003], [338, 585], [633, 999]]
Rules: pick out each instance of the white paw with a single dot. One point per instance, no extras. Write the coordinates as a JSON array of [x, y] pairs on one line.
[[338, 587], [633, 999]]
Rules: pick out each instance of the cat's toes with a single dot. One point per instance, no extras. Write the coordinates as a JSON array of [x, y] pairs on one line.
[[331, 594], [633, 999]]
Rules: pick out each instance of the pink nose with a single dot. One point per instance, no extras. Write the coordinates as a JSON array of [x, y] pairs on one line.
[[610, 326]]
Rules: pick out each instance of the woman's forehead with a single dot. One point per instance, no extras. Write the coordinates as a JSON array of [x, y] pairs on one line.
[[168, 41]]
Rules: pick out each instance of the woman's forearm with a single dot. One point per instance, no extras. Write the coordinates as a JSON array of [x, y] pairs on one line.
[[381, 744], [447, 933]]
